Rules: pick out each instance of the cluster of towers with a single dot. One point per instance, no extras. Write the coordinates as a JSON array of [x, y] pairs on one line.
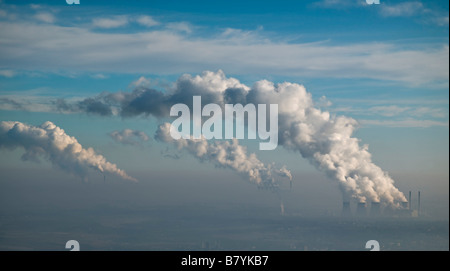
[[362, 209]]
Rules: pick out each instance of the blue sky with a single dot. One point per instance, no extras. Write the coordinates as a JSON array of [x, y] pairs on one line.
[[343, 50], [384, 65]]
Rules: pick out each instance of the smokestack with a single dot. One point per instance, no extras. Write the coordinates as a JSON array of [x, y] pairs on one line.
[[375, 209], [361, 209], [418, 205], [346, 211], [282, 208], [409, 200]]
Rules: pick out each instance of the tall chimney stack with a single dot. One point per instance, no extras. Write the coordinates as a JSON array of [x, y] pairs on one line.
[[375, 209], [409, 200], [346, 211], [418, 205], [361, 209]]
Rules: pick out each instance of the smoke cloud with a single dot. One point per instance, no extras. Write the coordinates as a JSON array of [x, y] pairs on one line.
[[212, 87], [52, 143], [129, 137], [327, 142], [227, 154], [323, 139]]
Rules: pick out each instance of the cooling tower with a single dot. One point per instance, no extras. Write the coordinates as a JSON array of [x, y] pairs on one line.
[[418, 204], [346, 211], [361, 209], [409, 200], [375, 209]]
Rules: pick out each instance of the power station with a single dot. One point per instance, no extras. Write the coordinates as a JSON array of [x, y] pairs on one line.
[[346, 211], [375, 208], [361, 209]]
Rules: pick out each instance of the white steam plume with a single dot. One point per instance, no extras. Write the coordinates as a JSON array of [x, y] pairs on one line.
[[52, 143], [227, 154], [325, 140]]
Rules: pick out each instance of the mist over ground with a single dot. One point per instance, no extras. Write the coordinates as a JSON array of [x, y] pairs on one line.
[[197, 211]]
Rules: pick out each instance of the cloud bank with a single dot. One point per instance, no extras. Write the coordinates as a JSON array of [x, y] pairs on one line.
[[52, 143], [174, 48]]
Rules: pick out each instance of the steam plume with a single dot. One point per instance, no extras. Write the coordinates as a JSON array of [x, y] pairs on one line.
[[323, 139], [52, 143], [227, 154], [327, 142]]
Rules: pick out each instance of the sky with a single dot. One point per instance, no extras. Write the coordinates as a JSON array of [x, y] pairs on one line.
[[85, 91]]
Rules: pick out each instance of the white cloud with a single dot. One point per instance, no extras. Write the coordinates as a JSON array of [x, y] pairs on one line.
[[99, 76], [141, 82], [405, 9], [7, 73], [432, 112], [416, 10], [323, 102], [388, 111], [35, 6], [415, 109], [30, 103], [180, 27], [407, 123], [42, 46], [440, 20], [238, 36], [45, 17], [338, 4], [147, 21], [112, 22]]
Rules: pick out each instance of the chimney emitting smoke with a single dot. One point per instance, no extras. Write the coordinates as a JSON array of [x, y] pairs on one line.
[[375, 209], [346, 211], [409, 201], [361, 209]]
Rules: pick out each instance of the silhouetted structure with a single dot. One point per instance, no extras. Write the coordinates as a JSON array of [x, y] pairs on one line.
[[418, 203], [346, 211], [409, 200], [375, 209], [361, 209]]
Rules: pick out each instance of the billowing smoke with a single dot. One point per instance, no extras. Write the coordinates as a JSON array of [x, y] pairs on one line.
[[324, 139], [327, 142], [52, 143], [212, 87], [227, 154]]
